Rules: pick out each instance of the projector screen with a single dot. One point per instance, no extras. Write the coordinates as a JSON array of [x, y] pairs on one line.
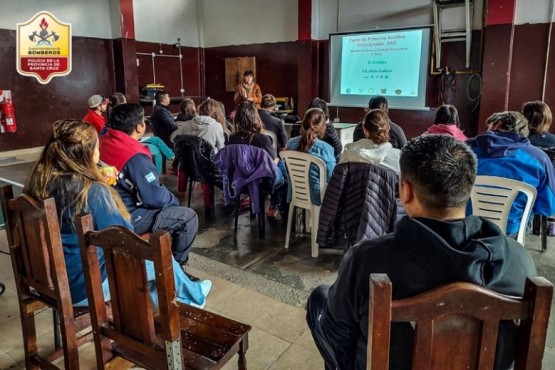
[[392, 63]]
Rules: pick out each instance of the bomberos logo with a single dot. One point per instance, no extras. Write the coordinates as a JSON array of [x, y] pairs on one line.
[[43, 47]]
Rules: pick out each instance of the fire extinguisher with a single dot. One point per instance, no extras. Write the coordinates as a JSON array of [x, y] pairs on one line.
[[8, 116]]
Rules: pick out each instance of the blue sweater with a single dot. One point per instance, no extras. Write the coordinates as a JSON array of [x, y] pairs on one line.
[[510, 155], [104, 213], [325, 152]]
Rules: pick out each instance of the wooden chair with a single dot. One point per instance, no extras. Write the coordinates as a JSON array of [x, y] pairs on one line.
[[178, 336], [456, 325], [41, 278]]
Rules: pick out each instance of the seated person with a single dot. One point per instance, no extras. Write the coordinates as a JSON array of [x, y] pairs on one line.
[[397, 137], [188, 110], [330, 136], [248, 130], [539, 119], [272, 122], [505, 151], [446, 122], [161, 119], [313, 129], [158, 149], [151, 205], [375, 148], [432, 246], [67, 171], [204, 125]]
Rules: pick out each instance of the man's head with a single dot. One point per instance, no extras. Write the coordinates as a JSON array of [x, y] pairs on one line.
[[268, 102], [378, 102], [128, 118], [437, 175], [508, 122], [162, 98], [98, 103]]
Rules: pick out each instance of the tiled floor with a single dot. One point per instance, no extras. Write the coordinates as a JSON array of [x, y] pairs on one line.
[[279, 339]]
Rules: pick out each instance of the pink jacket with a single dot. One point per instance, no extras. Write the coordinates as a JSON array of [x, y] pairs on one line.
[[442, 129]]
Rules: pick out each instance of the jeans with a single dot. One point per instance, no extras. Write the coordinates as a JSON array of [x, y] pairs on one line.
[[186, 291], [180, 222], [315, 307]]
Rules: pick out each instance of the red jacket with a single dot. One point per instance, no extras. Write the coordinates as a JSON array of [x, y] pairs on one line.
[[97, 120]]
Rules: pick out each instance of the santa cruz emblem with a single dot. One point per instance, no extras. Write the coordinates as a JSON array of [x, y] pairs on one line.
[[44, 47]]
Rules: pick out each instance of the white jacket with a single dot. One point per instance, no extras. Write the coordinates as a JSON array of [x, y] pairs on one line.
[[366, 151]]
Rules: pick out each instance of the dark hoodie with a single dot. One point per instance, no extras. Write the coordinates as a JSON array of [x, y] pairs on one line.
[[421, 255]]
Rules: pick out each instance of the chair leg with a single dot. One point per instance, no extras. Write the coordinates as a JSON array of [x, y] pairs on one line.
[[56, 322], [314, 217], [543, 228], [289, 221], [29, 336], [191, 187], [242, 364], [237, 201], [69, 343], [262, 215]]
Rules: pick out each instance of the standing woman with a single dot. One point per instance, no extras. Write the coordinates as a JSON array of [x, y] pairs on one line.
[[67, 171], [313, 129], [539, 119], [248, 90]]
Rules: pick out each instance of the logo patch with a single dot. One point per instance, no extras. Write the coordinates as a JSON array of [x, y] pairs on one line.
[[150, 177]]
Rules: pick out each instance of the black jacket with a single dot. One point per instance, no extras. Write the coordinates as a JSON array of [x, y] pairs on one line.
[[273, 123], [162, 123], [331, 137], [196, 157], [359, 204], [397, 136], [421, 255]]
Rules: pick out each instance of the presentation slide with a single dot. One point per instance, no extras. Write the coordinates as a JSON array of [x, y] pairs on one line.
[[392, 63], [377, 64]]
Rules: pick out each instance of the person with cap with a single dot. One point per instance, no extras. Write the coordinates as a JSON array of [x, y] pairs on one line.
[[95, 115]]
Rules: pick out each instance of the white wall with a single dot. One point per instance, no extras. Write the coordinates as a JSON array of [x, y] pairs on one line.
[[87, 17], [363, 15], [165, 21], [533, 11], [241, 22]]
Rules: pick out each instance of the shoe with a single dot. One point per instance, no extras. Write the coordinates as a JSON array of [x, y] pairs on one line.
[[191, 277], [244, 204]]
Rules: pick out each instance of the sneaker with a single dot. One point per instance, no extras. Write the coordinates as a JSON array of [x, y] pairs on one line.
[[191, 277]]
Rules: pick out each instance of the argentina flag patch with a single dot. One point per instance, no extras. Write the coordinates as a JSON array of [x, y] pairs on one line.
[[150, 177]]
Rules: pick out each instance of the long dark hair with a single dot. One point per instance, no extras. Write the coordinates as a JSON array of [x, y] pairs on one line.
[[247, 119], [313, 127], [447, 114]]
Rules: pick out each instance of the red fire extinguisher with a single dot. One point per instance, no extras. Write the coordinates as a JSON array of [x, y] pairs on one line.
[[8, 116]]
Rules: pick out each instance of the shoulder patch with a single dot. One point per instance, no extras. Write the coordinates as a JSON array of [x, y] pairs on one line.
[[150, 177]]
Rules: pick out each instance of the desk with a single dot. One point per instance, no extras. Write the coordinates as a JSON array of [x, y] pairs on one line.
[[344, 130]]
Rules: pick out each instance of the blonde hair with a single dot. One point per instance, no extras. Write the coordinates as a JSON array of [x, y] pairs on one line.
[[67, 160]]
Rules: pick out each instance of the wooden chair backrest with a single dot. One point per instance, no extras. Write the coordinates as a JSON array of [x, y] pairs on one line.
[[36, 249], [132, 329], [456, 325]]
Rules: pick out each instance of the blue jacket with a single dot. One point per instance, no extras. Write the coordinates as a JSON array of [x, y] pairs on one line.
[[325, 152], [245, 165], [101, 207], [510, 155]]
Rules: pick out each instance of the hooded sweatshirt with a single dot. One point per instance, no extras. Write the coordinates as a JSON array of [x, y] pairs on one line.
[[421, 255], [204, 127], [367, 151], [442, 129], [511, 155]]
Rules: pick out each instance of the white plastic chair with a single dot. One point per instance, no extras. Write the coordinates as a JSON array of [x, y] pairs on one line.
[[273, 138], [298, 168], [492, 198]]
